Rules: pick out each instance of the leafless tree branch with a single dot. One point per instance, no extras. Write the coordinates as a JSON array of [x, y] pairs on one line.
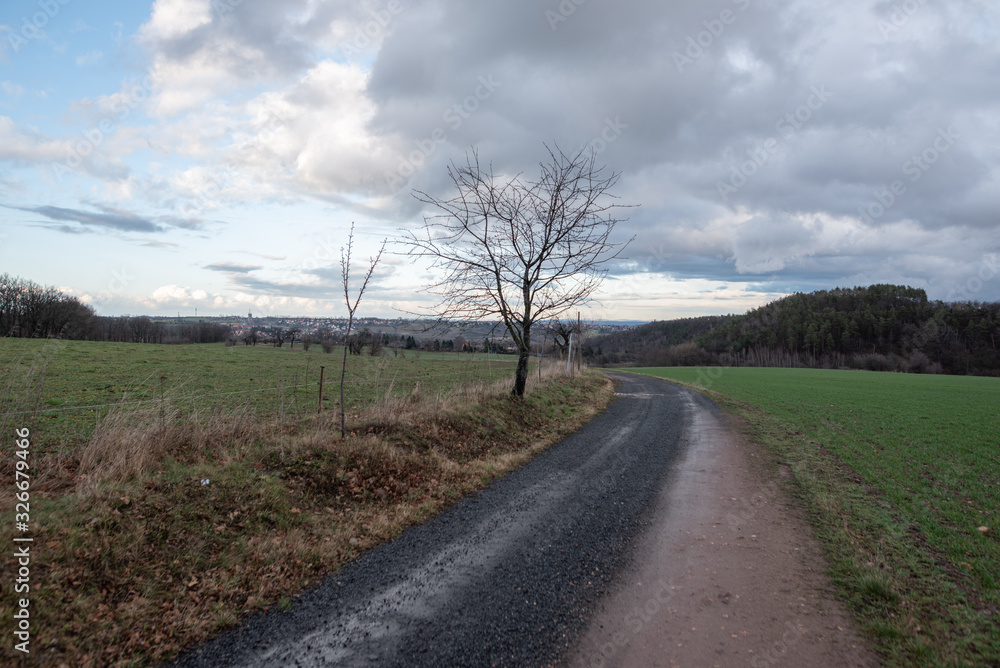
[[523, 251]]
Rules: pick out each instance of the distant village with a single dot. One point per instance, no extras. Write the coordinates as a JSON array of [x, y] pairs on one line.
[[400, 333]]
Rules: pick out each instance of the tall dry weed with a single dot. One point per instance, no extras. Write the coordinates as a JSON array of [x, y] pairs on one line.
[[132, 440]]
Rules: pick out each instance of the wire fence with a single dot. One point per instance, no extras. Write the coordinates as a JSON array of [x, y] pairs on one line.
[[30, 395]]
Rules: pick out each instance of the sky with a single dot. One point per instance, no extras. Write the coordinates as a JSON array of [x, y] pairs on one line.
[[210, 156]]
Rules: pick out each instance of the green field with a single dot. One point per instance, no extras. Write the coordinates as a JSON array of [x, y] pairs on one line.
[[900, 472], [64, 387]]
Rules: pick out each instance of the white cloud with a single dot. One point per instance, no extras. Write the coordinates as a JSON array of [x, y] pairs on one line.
[[21, 145], [172, 19]]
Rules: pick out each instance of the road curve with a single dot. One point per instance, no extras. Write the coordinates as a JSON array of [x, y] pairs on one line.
[[508, 576]]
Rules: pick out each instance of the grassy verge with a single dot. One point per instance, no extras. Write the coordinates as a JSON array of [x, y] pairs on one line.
[[165, 526], [901, 476]]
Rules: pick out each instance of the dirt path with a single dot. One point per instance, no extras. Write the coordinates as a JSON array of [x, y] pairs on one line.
[[727, 573]]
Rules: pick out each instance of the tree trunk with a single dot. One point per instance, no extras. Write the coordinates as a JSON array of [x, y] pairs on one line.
[[523, 356], [521, 377], [343, 375]]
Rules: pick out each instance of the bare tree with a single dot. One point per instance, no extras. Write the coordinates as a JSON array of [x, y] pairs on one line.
[[523, 251], [345, 272], [356, 343], [375, 344], [561, 333]]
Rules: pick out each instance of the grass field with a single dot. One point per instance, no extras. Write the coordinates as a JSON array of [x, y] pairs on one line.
[[156, 524], [902, 476], [75, 383]]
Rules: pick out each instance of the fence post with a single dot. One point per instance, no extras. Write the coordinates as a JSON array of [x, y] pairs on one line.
[[319, 408], [569, 357], [579, 340]]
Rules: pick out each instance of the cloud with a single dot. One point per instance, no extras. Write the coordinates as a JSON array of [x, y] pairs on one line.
[[123, 222], [772, 145], [264, 255], [24, 146], [232, 267], [108, 219]]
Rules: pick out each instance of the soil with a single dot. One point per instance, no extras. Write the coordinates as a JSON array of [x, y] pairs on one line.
[[727, 573]]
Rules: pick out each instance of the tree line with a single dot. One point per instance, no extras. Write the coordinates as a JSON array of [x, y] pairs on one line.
[[880, 327], [30, 310]]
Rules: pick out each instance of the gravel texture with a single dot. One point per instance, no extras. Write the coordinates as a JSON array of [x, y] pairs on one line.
[[509, 576]]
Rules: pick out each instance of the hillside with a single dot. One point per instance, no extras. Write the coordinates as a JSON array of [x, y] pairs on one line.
[[654, 343], [881, 327]]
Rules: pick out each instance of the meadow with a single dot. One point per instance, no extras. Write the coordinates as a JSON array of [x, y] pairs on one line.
[[66, 387], [164, 512], [901, 474]]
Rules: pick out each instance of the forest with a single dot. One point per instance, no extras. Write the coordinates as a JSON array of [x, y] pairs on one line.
[[880, 328]]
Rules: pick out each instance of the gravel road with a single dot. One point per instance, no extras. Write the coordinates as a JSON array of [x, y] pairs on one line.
[[509, 576]]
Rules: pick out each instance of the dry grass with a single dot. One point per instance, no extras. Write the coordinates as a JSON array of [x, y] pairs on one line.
[[129, 442], [143, 558]]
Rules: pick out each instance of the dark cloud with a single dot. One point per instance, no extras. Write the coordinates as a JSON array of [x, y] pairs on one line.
[[108, 219], [122, 222], [841, 105]]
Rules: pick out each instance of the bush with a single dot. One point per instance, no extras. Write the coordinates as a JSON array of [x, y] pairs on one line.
[[878, 362], [921, 363], [327, 345]]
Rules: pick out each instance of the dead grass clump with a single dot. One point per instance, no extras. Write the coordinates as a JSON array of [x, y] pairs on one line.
[[129, 442]]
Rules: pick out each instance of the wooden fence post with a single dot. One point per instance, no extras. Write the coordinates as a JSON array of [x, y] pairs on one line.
[[319, 409]]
